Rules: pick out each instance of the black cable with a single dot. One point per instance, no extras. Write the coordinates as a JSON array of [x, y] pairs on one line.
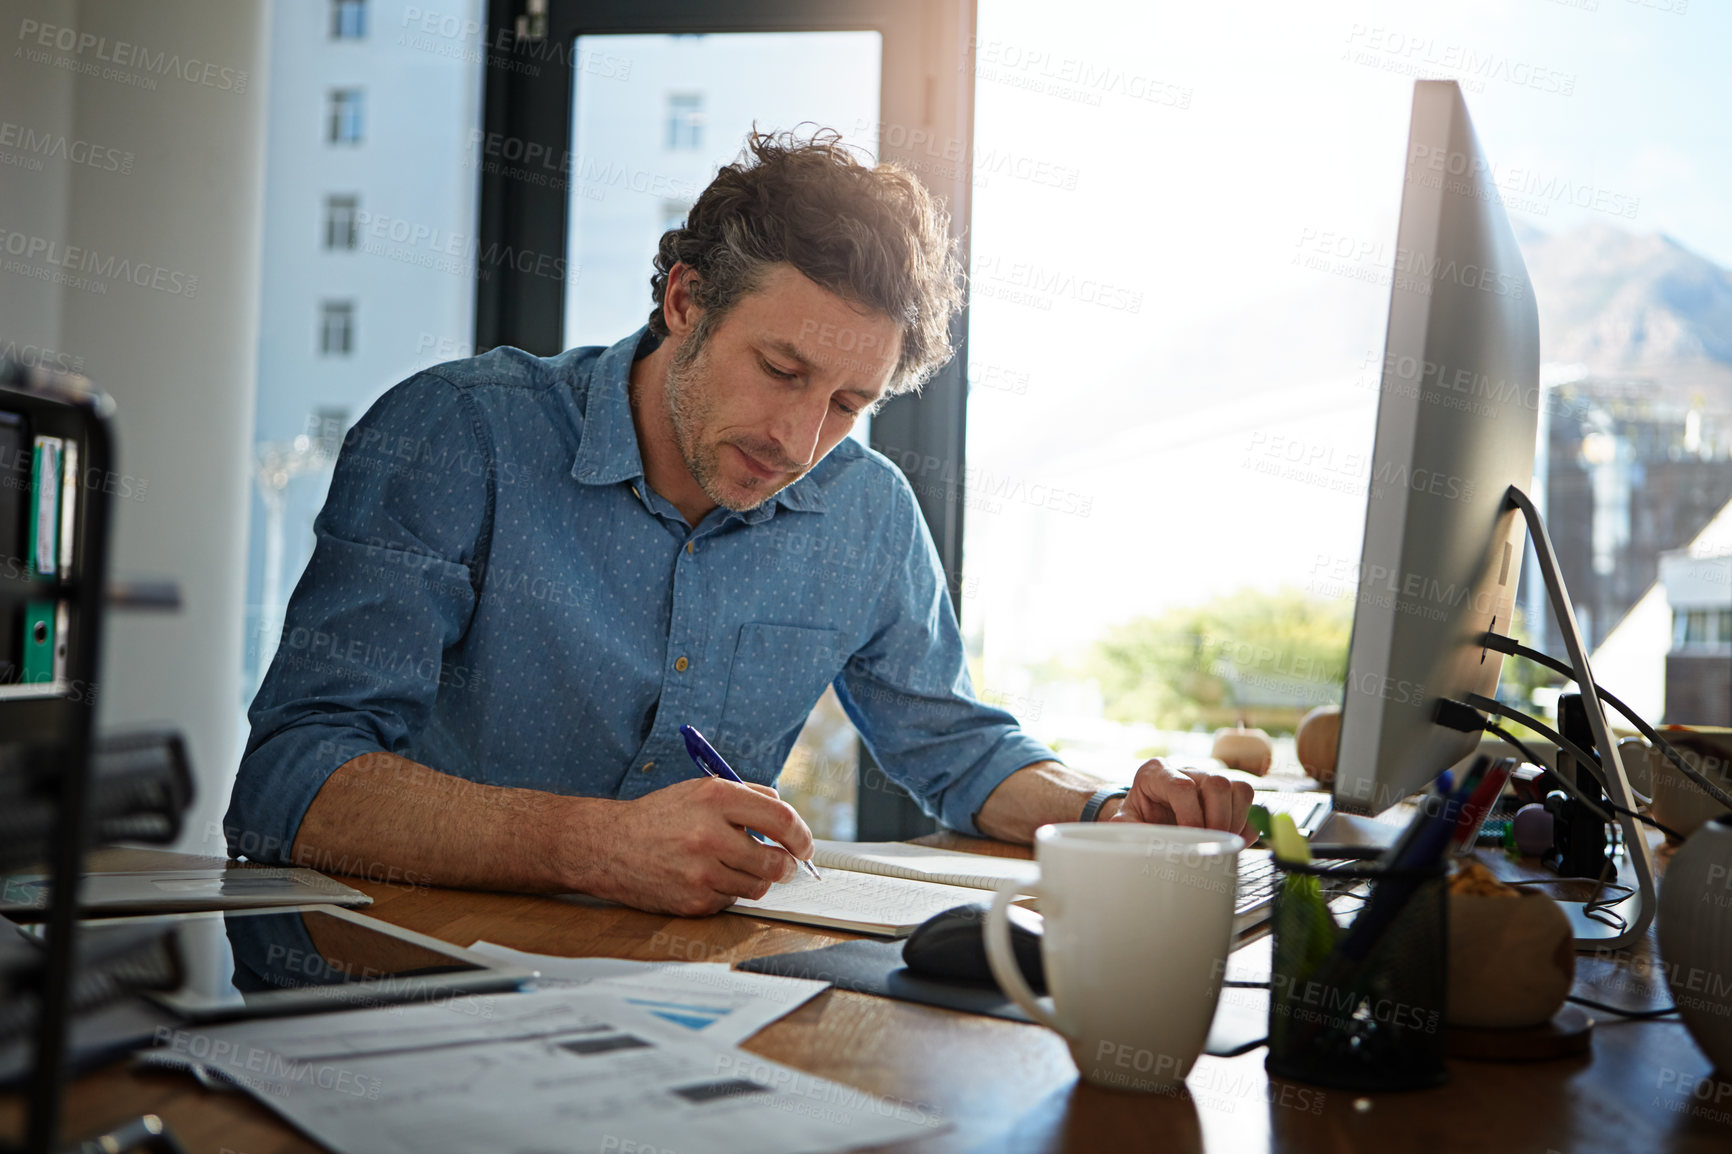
[[1232, 985], [1521, 747], [1602, 909], [1599, 909], [1533, 760], [1514, 648], [1635, 1014], [1493, 705], [1601, 1006], [1569, 786]]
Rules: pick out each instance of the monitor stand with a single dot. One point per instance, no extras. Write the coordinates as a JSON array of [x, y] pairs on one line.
[[1638, 909]]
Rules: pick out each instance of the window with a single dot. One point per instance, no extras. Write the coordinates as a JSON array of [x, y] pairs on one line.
[[348, 19], [685, 121], [1695, 626], [420, 162], [337, 328], [674, 214], [341, 229], [1723, 626], [345, 119], [628, 190]]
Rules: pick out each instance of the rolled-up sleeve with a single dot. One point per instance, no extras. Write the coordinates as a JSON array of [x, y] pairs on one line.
[[908, 692], [388, 591]]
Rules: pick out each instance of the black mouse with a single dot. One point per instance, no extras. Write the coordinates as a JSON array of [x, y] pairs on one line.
[[952, 946]]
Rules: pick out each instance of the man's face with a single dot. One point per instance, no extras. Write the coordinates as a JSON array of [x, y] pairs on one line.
[[777, 384]]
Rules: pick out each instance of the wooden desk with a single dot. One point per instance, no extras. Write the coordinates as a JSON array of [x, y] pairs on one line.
[[1005, 1086]]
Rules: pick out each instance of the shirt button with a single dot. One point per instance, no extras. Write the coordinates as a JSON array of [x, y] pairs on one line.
[[646, 767], [680, 665]]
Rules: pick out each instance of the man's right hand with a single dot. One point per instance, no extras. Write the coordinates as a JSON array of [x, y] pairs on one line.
[[684, 849]]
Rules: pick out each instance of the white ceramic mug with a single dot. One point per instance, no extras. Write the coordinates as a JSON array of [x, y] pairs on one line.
[[1139, 919], [1678, 802]]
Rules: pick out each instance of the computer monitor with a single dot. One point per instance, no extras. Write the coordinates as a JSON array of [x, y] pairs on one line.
[[1457, 415]]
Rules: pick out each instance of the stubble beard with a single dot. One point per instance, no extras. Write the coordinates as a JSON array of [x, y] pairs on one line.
[[690, 396]]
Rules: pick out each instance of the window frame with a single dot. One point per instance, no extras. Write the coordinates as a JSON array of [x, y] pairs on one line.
[[350, 98], [330, 309], [927, 80], [340, 28], [352, 235], [689, 125]]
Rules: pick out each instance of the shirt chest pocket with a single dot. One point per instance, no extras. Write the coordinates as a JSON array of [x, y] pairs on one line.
[[778, 674]]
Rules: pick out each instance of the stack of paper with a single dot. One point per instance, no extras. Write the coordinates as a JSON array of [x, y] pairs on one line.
[[608, 1055], [566, 1069]]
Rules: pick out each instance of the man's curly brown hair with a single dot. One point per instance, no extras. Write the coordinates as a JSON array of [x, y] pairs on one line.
[[872, 235]]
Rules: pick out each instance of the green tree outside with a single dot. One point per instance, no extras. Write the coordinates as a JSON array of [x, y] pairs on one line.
[[1258, 656]]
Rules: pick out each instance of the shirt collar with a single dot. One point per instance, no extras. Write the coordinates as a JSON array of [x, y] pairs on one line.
[[608, 453]]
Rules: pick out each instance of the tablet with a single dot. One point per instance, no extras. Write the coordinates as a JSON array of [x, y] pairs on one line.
[[300, 959], [24, 897]]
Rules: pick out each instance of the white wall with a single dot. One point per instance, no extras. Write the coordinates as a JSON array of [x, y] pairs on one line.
[[35, 102], [1696, 581], [178, 85]]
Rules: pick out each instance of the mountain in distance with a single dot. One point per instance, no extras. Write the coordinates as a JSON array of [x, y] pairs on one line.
[[1634, 305], [1623, 305]]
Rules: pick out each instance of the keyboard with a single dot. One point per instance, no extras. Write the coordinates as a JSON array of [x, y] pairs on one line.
[[1254, 900], [1257, 874], [1307, 808]]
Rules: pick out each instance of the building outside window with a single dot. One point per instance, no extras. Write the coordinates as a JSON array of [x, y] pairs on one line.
[[344, 125], [337, 328], [348, 19], [418, 162], [341, 226], [685, 121], [674, 214]]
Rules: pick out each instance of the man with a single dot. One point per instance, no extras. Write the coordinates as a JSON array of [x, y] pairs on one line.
[[531, 572]]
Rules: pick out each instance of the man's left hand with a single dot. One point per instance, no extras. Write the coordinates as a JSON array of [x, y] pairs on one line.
[[1193, 797]]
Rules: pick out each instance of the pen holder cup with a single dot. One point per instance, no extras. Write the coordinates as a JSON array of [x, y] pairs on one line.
[[1365, 1013]]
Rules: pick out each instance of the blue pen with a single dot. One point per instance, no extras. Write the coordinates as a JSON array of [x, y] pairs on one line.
[[1421, 846], [712, 763]]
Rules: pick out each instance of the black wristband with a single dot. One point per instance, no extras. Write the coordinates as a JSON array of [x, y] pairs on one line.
[[1092, 811]]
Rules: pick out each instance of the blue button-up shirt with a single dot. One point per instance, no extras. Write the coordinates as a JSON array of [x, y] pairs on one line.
[[496, 593]]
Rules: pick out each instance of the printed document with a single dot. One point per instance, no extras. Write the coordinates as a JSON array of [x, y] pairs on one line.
[[596, 1074], [723, 1004]]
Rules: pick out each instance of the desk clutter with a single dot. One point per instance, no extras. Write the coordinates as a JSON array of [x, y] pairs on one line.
[[440, 1047], [1383, 969], [651, 1051]]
